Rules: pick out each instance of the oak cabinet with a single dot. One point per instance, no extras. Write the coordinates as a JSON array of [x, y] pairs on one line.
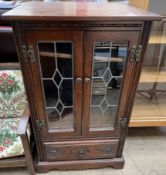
[[81, 71]]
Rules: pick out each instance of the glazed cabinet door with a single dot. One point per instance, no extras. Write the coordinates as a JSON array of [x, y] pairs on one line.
[[108, 76], [57, 81]]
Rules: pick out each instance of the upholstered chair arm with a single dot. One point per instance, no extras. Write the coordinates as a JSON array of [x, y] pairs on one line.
[[26, 139]]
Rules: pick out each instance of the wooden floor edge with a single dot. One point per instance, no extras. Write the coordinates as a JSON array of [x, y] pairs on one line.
[[117, 163]]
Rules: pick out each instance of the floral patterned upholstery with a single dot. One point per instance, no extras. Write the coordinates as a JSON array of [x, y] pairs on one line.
[[12, 94], [12, 103], [10, 142]]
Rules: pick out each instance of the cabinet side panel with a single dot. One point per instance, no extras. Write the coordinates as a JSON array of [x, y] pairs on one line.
[[142, 41], [20, 40]]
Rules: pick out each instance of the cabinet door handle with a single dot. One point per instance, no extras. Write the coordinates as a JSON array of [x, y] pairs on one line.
[[87, 80], [78, 81]]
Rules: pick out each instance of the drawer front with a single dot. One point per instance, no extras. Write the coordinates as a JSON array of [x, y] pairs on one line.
[[74, 150]]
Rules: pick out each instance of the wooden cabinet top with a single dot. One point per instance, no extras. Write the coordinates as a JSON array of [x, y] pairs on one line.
[[78, 11]]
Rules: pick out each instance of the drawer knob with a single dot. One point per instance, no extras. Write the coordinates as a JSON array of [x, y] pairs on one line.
[[82, 151], [107, 150], [54, 151]]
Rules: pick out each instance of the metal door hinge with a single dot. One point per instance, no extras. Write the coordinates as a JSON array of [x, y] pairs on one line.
[[122, 122], [135, 54], [40, 124], [28, 53]]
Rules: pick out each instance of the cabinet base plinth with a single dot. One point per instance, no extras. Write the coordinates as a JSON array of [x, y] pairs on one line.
[[117, 163]]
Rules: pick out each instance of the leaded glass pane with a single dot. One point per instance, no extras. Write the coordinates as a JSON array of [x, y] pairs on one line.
[[56, 65], [108, 65], [51, 92]]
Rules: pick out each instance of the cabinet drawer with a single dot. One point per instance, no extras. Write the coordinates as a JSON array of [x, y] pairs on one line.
[[73, 150]]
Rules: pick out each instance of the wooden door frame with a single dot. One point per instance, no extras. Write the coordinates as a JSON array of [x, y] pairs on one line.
[[132, 37], [75, 37]]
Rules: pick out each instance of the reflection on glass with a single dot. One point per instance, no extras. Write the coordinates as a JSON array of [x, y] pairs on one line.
[[150, 100], [51, 92], [108, 65], [57, 79]]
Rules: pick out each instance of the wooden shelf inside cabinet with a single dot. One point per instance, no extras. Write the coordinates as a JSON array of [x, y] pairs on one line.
[[52, 54], [69, 56], [106, 59]]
